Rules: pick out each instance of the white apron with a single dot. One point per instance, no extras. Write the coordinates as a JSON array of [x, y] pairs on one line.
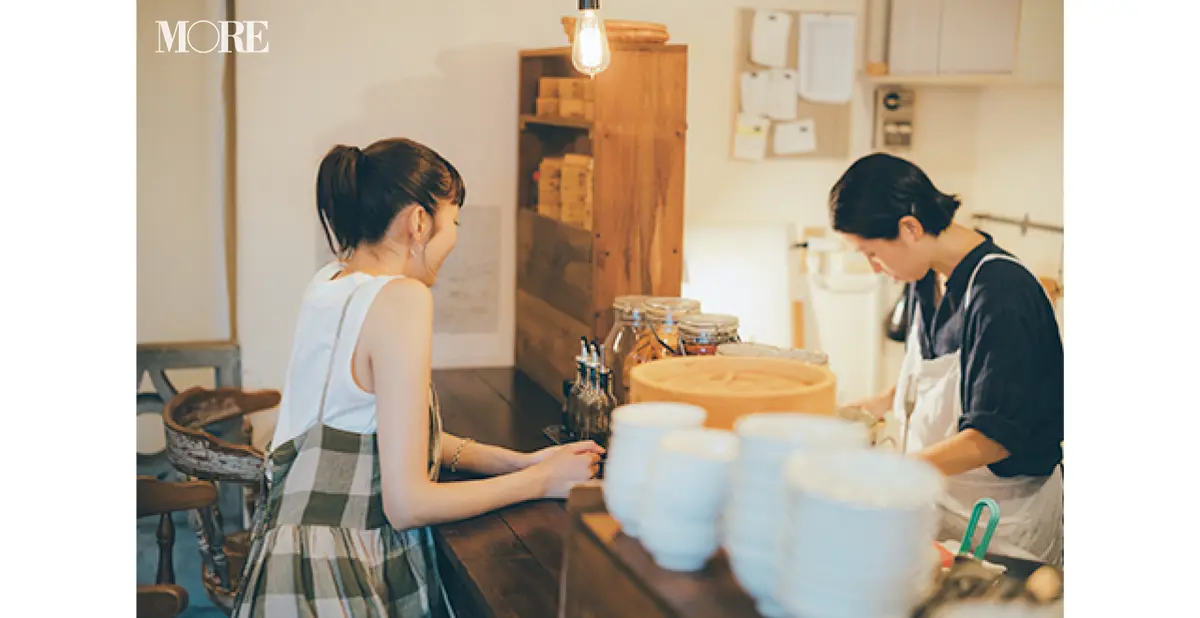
[[1030, 507]]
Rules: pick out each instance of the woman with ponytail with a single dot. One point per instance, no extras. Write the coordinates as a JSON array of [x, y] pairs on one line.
[[352, 475], [983, 370]]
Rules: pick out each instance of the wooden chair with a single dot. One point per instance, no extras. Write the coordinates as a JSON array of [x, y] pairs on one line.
[[166, 599], [198, 454]]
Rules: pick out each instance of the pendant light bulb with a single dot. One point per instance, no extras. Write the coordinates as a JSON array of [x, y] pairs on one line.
[[589, 52]]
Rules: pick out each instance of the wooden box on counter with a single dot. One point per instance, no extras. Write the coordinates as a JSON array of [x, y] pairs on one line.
[[606, 573], [579, 246]]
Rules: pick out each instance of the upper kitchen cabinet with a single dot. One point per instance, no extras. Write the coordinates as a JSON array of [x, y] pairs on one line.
[[970, 42]]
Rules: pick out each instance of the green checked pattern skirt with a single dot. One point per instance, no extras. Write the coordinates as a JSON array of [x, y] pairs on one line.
[[322, 545]]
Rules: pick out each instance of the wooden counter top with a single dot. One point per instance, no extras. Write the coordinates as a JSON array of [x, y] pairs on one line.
[[506, 563]]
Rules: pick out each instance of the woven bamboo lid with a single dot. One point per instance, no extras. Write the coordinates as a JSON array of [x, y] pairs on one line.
[[729, 387], [623, 32]]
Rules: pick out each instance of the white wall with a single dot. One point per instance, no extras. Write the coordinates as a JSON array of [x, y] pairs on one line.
[[445, 73], [180, 183], [181, 293]]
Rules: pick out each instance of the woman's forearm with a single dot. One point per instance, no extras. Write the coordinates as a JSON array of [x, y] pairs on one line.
[[964, 452], [480, 458], [434, 503]]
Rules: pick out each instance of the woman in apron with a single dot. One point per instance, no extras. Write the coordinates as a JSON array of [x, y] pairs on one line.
[[980, 391], [352, 472]]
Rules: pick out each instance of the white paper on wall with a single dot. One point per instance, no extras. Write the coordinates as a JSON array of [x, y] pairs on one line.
[[793, 138], [827, 58], [750, 138], [782, 99], [755, 88], [769, 38]]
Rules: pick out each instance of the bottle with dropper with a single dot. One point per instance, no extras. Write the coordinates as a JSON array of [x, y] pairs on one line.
[[601, 404], [572, 414], [588, 397]]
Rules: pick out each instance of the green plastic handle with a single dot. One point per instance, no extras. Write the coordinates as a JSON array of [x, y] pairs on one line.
[[993, 521]]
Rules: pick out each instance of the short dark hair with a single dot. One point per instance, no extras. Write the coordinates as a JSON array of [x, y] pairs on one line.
[[360, 192], [878, 190]]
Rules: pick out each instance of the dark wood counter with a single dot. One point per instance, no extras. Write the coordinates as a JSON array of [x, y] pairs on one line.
[[509, 563], [506, 563]]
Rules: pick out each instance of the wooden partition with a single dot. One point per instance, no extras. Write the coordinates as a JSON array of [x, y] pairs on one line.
[[568, 274]]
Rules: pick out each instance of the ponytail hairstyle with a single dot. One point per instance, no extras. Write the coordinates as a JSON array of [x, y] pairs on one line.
[[878, 190], [360, 192]]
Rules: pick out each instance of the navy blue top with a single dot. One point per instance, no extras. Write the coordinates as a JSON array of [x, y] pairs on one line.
[[1012, 357]]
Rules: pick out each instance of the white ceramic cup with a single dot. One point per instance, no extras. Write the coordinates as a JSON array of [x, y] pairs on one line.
[[677, 545], [637, 429], [687, 477], [855, 519]]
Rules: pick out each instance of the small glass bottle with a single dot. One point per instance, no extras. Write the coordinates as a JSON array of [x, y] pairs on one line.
[[574, 401], [601, 428], [701, 333], [588, 394], [600, 405], [622, 346], [663, 314]]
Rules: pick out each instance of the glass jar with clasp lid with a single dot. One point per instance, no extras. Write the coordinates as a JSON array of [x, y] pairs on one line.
[[663, 314], [701, 333], [627, 344]]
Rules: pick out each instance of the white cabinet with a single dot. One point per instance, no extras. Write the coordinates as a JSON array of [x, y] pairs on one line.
[[978, 36], [1040, 51], [913, 37], [962, 37]]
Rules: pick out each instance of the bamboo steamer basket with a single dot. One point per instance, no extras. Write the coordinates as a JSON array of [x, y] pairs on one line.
[[729, 387], [622, 32]]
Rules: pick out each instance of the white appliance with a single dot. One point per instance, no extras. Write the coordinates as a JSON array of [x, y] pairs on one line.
[[844, 315]]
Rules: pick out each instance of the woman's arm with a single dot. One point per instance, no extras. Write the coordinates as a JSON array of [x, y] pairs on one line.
[[964, 452], [879, 404], [489, 460], [482, 458], [398, 337]]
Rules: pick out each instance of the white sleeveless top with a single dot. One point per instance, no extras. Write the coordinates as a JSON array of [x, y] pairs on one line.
[[347, 407]]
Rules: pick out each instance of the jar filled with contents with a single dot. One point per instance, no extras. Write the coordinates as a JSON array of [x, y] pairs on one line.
[[663, 314], [701, 333], [627, 344]]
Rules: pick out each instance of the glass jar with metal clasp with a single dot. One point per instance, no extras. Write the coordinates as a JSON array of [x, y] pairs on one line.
[[663, 315], [700, 334], [627, 344]]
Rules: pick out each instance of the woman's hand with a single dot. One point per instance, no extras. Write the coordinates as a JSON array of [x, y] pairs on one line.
[[529, 459], [562, 467], [877, 405]]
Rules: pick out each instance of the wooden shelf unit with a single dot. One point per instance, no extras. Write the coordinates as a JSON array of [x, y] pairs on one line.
[[568, 276]]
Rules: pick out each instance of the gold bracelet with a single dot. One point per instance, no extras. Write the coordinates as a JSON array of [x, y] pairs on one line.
[[457, 453]]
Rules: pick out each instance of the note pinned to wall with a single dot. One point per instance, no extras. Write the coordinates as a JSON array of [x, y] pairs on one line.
[[781, 101], [793, 138], [756, 89], [750, 138], [769, 38], [827, 57], [769, 83]]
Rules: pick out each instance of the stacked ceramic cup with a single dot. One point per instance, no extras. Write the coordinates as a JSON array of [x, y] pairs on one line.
[[682, 499], [860, 533], [637, 429], [755, 512]]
